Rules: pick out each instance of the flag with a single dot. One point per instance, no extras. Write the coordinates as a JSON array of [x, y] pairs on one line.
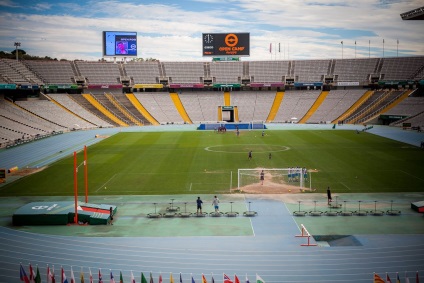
[[132, 277], [270, 48], [247, 280], [227, 279], [63, 277], [121, 280], [406, 278], [212, 280], [82, 276], [53, 276], [388, 279], [181, 279], [204, 279], [160, 278], [100, 276], [236, 280], [143, 279], [259, 279], [49, 275], [31, 274], [279, 47], [192, 279], [171, 279], [23, 275], [417, 279], [397, 274], [37, 278], [151, 278], [378, 279], [112, 279], [72, 276], [91, 276], [341, 42]]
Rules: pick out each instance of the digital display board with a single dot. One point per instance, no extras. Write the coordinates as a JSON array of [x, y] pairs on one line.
[[226, 44], [119, 43]]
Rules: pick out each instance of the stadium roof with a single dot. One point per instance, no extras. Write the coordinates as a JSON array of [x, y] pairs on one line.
[[416, 14]]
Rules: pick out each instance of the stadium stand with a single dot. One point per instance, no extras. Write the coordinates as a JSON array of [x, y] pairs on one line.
[[295, 105], [184, 72], [52, 72], [405, 68], [99, 73], [13, 71], [67, 101], [253, 105], [143, 72], [311, 70], [354, 70], [226, 72], [160, 106], [268, 71]]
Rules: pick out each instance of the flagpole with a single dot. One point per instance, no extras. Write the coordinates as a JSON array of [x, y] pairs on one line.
[[369, 49], [397, 48], [355, 49], [342, 48], [383, 47]]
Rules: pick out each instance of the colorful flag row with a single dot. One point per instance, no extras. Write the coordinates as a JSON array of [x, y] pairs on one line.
[[35, 277], [378, 279]]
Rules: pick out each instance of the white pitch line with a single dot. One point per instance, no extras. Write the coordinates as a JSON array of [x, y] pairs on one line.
[[345, 186], [105, 183], [190, 186]]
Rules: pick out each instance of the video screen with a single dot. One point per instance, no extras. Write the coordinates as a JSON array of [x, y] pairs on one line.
[[119, 43], [226, 44]]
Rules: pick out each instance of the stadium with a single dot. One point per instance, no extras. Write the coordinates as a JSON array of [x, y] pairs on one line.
[[146, 139]]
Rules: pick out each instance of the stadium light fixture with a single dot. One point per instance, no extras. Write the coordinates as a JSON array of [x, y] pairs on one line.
[[17, 44]]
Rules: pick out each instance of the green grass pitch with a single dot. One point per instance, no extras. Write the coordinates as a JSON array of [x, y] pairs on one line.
[[201, 162]]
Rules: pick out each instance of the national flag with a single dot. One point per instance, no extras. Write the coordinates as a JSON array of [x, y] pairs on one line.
[[91, 276], [236, 280], [112, 279], [49, 274], [151, 278], [121, 280], [181, 278], [53, 275], [406, 278], [341, 42], [279, 47], [259, 279], [247, 280], [227, 279], [355, 42], [397, 274], [143, 279], [212, 280], [37, 278], [417, 279], [192, 279], [132, 277], [72, 276], [100, 276], [31, 274], [204, 279], [270, 48], [388, 279], [378, 279], [82, 276], [63, 276], [22, 274], [171, 279], [160, 278]]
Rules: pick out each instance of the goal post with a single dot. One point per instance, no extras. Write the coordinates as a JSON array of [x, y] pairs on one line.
[[296, 177]]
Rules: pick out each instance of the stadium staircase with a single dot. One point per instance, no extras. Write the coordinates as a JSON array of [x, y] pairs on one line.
[[180, 107], [355, 106], [90, 98], [123, 110], [141, 109], [227, 98], [275, 106], [64, 108], [389, 103], [314, 107]]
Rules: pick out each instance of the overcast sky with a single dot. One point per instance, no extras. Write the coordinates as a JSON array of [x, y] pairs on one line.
[[172, 30]]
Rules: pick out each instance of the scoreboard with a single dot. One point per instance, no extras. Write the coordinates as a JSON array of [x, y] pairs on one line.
[[226, 44], [120, 43]]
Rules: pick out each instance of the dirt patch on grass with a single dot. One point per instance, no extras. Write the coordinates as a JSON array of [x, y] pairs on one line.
[[27, 171]]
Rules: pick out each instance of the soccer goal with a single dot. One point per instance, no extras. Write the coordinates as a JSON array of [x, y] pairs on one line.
[[295, 177]]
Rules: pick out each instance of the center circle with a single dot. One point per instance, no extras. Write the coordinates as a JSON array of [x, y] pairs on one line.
[[243, 148]]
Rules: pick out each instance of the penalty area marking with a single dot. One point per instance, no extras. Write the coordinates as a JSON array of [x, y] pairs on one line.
[[275, 148]]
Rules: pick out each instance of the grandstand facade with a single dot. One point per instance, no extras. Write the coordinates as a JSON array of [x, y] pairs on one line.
[[41, 98]]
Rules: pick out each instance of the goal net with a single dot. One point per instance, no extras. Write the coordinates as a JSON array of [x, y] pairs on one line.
[[284, 177]]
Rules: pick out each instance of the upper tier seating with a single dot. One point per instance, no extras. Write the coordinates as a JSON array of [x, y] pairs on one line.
[[184, 72], [99, 72], [146, 72], [52, 72]]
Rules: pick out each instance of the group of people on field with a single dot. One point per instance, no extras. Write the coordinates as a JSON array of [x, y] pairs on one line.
[[215, 204]]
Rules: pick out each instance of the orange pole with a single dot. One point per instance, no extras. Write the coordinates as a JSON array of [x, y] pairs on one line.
[[86, 173], [76, 187]]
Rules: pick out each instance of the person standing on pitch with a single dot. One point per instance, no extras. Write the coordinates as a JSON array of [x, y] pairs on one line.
[[329, 199], [215, 203], [262, 177], [199, 205], [250, 155]]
